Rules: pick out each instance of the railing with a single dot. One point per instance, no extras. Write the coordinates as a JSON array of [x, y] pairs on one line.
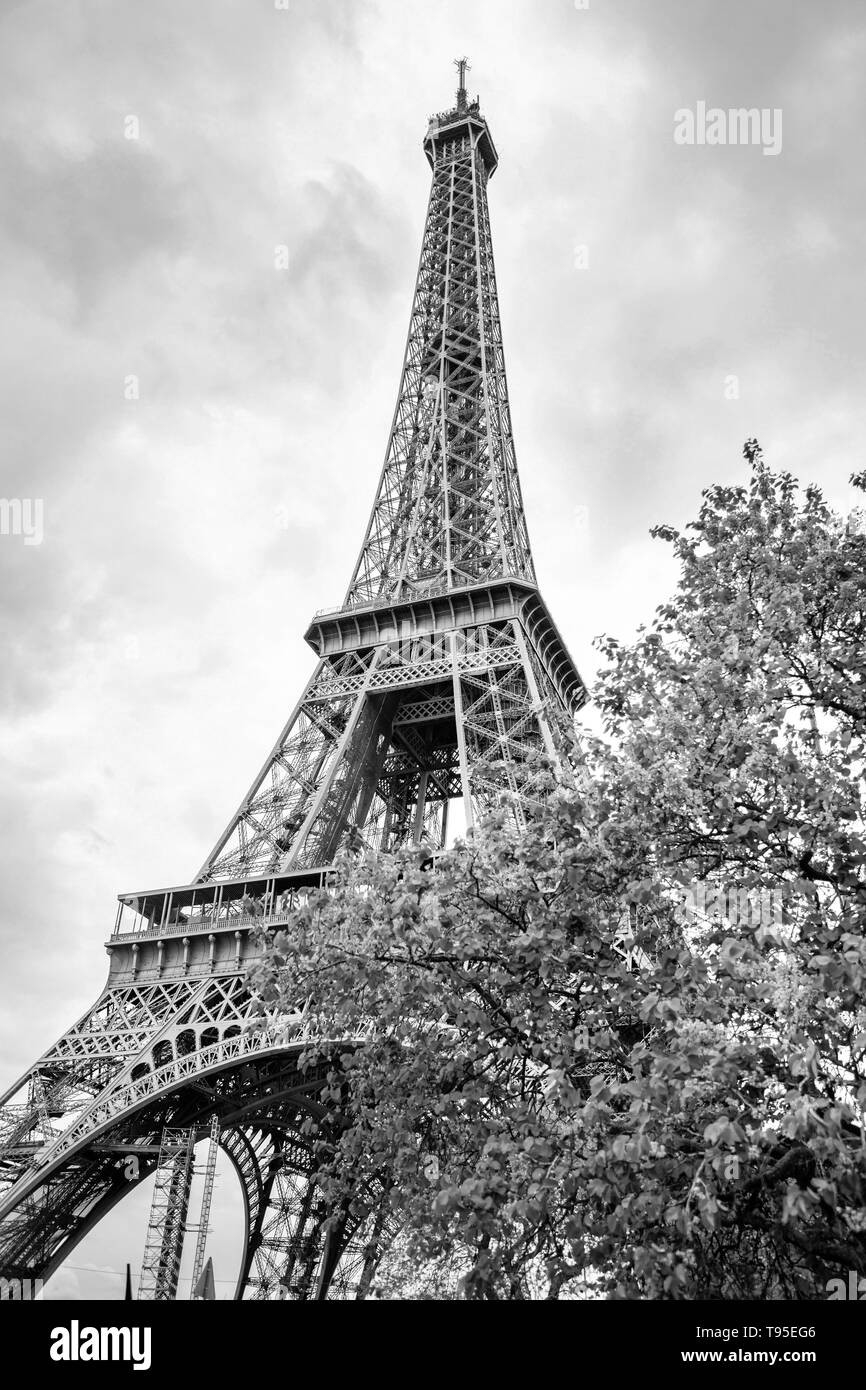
[[408, 595], [231, 921], [216, 905], [385, 600], [197, 925], [457, 113], [295, 1032]]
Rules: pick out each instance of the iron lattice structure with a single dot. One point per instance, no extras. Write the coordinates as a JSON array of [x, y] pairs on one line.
[[433, 686], [206, 1199], [166, 1228]]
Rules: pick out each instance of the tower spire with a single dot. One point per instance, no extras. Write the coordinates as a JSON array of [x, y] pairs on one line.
[[462, 66]]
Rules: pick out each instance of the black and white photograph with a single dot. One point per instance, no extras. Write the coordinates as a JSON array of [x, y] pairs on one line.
[[433, 672]]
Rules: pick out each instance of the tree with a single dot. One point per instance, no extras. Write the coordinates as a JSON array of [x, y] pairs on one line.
[[621, 1053]]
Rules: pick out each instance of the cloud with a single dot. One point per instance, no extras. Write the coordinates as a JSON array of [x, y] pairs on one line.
[[152, 645]]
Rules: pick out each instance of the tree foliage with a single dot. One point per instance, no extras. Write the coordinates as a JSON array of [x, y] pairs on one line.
[[560, 1077]]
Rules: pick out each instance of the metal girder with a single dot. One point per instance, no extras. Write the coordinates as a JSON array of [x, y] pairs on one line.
[[448, 510], [166, 1227], [206, 1199]]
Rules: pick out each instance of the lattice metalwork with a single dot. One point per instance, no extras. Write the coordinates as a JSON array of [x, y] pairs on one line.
[[166, 1228], [434, 683], [206, 1199], [484, 684], [448, 510], [447, 518]]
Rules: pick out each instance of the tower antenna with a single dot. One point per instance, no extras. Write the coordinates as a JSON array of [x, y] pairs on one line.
[[462, 66]]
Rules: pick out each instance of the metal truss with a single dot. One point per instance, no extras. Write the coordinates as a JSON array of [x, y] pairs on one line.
[[448, 510], [452, 700], [206, 1199], [436, 682], [166, 1227], [234, 1082], [131, 1033], [447, 519], [297, 1248]]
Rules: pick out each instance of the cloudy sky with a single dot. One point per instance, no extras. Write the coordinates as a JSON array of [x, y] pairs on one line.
[[204, 425]]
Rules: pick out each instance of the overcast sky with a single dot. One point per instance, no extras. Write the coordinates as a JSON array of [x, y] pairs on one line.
[[152, 643]]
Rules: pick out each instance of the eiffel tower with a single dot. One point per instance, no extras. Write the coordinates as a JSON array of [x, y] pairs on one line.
[[434, 685]]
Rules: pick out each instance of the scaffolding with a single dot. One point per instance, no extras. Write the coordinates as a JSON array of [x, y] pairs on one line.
[[166, 1228], [207, 1194]]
